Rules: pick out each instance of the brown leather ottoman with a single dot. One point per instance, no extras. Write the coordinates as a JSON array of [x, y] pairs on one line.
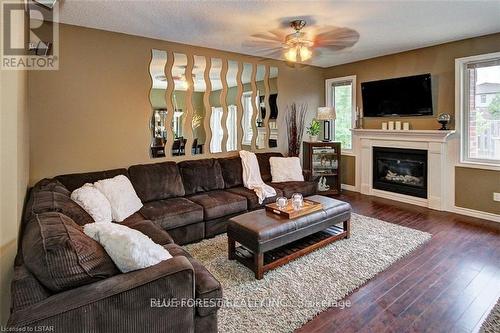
[[269, 240]]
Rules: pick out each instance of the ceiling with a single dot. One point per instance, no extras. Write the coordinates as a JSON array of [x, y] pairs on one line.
[[385, 27]]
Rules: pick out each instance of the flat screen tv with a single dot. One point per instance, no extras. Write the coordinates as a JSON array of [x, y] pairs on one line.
[[403, 97]]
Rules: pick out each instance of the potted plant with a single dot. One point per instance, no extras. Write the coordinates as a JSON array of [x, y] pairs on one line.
[[313, 130]]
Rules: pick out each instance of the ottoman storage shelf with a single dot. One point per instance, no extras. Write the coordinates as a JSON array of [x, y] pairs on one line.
[[268, 240]]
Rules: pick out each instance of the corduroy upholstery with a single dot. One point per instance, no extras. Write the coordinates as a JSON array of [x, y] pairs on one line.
[[122, 303], [61, 256], [51, 201], [219, 203], [172, 213], [201, 175], [77, 180], [252, 199], [211, 192], [156, 181], [289, 188], [232, 171]]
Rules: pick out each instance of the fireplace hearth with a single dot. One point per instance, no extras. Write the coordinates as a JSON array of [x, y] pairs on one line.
[[401, 171]]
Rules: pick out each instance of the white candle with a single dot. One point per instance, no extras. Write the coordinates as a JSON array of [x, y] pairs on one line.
[[384, 126], [398, 126], [406, 126], [391, 126]]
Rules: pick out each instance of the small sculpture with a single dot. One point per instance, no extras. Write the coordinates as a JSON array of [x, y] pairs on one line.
[[322, 186], [444, 119]]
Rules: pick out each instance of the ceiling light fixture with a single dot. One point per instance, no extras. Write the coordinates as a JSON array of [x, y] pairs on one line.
[[297, 46]]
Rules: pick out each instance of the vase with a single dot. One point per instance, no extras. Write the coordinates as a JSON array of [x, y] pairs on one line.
[[313, 138]]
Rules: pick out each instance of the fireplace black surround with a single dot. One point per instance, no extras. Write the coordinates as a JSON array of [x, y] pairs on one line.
[[400, 170]]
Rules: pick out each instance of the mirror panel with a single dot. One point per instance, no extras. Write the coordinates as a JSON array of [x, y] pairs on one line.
[[179, 103], [225, 104], [232, 106], [199, 133], [273, 106], [246, 101], [216, 111], [158, 102], [262, 93]]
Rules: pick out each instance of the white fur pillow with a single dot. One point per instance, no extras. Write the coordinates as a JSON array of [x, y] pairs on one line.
[[121, 195], [128, 248], [286, 169], [93, 202]]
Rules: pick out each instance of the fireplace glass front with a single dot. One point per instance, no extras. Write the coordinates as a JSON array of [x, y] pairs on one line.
[[401, 171]]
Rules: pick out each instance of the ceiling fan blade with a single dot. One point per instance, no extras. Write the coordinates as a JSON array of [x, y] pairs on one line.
[[336, 38], [260, 43], [270, 36]]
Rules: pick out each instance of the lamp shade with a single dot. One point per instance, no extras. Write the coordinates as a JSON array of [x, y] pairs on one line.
[[326, 113]]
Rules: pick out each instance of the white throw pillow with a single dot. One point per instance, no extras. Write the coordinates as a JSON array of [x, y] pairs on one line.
[[121, 195], [286, 169], [128, 248], [93, 202]]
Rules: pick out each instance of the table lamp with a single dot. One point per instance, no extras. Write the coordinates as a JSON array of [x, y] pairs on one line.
[[326, 114]]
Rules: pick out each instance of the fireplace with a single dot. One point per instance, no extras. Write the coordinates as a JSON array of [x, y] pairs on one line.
[[400, 170]]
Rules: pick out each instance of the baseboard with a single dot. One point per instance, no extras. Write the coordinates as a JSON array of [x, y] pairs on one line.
[[476, 213], [349, 188]]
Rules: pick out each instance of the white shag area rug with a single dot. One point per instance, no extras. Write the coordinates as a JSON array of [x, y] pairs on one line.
[[492, 323], [291, 295]]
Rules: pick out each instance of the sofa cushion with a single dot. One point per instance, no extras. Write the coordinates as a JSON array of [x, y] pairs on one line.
[[219, 203], [49, 201], [53, 185], [206, 286], [76, 180], [130, 249], [156, 181], [232, 171], [61, 256], [25, 289], [265, 166], [138, 222], [201, 176], [252, 199], [289, 188], [172, 213]]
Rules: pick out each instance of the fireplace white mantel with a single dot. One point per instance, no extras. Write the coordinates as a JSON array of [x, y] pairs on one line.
[[434, 141]]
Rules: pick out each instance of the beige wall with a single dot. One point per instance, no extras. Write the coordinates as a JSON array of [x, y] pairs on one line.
[[475, 190], [438, 60], [347, 165], [94, 112], [13, 171]]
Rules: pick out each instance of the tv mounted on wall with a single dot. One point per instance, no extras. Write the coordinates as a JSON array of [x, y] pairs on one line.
[[400, 97]]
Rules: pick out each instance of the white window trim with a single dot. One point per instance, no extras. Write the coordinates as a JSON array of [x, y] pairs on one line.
[[461, 112], [329, 102]]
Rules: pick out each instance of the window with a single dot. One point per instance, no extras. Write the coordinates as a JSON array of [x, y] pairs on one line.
[[341, 94], [231, 124], [478, 87]]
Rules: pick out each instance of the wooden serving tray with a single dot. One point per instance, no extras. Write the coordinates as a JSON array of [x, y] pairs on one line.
[[288, 212]]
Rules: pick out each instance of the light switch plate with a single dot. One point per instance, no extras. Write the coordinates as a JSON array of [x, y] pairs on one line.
[[496, 196]]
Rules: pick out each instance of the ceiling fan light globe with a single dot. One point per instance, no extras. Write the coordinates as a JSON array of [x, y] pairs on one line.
[[291, 54], [305, 53]]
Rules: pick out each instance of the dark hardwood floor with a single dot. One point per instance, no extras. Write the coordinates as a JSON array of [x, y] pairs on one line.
[[448, 285]]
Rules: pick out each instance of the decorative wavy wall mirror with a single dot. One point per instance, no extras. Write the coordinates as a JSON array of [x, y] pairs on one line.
[[204, 105], [216, 110], [158, 102], [199, 108]]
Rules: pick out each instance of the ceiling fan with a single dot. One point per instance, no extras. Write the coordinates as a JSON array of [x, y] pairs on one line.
[[300, 45]]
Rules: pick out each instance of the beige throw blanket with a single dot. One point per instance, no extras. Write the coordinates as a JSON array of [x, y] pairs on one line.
[[251, 176]]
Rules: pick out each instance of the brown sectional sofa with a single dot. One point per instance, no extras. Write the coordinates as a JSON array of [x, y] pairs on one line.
[[183, 203]]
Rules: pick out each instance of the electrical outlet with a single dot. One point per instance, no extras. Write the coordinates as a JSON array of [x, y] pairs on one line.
[[496, 196]]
